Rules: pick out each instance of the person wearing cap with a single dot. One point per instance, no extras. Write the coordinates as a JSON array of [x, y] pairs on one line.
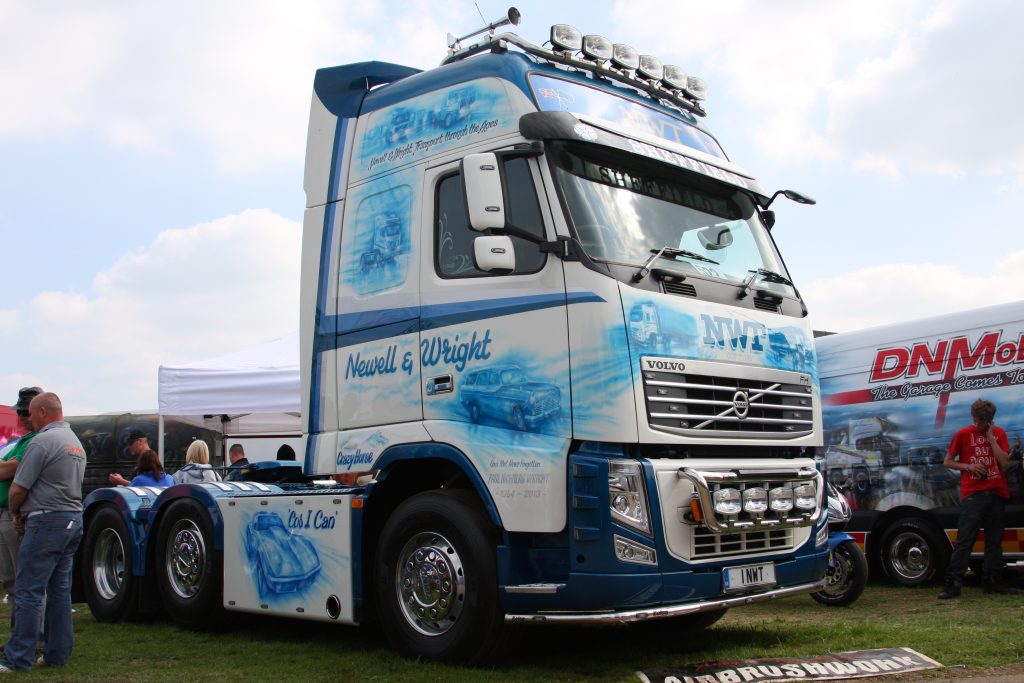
[[46, 504], [137, 444], [10, 541]]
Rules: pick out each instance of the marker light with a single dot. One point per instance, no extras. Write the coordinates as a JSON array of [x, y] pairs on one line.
[[696, 88], [673, 77], [755, 500], [780, 499], [625, 57], [566, 37], [597, 48], [806, 496], [650, 67], [727, 501]]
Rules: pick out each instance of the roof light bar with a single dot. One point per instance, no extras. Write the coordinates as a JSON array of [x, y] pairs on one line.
[[650, 67], [566, 37], [625, 57], [597, 48]]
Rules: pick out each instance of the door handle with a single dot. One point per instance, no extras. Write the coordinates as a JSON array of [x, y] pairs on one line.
[[442, 384]]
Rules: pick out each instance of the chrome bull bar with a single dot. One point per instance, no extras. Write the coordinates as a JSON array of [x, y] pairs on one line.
[[702, 481]]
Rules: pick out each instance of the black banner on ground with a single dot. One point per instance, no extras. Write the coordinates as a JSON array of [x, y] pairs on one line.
[[860, 664]]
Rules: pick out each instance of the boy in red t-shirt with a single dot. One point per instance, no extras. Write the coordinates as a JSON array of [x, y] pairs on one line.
[[981, 453]]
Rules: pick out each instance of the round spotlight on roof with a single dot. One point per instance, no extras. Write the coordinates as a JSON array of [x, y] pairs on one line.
[[597, 48], [566, 37], [650, 67], [673, 77], [625, 57]]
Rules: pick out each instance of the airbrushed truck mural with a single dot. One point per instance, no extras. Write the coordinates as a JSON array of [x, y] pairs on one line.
[[893, 398]]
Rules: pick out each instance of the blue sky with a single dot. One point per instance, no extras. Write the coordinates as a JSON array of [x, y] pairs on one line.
[[151, 177]]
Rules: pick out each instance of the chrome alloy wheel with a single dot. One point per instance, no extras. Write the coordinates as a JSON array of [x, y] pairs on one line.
[[909, 555], [185, 558], [108, 564], [430, 583]]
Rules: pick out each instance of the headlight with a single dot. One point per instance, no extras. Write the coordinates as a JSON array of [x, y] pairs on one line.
[[755, 500], [727, 501], [806, 496], [780, 499], [626, 495]]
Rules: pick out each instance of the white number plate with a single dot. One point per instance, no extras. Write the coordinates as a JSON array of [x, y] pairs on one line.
[[748, 576]]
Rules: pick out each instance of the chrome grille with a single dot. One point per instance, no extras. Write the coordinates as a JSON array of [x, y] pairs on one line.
[[700, 398], [707, 544]]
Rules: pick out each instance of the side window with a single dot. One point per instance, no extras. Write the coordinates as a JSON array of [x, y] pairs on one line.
[[454, 239]]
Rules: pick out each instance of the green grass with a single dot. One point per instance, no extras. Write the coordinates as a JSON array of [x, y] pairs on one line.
[[977, 631]]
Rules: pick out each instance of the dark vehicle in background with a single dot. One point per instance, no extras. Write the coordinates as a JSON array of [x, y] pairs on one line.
[[105, 439]]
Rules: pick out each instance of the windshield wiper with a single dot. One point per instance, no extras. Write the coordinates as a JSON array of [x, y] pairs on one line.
[[769, 275], [668, 251]]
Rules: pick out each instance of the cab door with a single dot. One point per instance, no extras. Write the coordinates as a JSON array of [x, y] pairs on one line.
[[493, 348]]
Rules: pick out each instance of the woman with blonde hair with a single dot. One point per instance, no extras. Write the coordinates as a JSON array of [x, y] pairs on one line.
[[197, 465]]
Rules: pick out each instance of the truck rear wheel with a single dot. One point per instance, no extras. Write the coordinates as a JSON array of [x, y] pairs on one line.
[[108, 578], [437, 580], [188, 567], [913, 552]]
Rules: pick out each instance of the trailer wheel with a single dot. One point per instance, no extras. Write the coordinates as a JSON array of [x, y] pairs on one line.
[[913, 552], [188, 566], [437, 580], [108, 577]]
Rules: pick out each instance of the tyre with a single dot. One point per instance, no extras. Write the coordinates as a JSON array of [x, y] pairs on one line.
[[518, 418], [861, 481], [474, 412], [689, 623], [913, 552], [108, 578], [846, 577], [437, 581], [188, 568]]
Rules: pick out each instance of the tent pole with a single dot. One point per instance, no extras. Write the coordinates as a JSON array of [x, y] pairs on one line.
[[160, 438]]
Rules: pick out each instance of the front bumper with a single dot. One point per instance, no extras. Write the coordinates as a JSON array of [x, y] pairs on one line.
[[661, 612]]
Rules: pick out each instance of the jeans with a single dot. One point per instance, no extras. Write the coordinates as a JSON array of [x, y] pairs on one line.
[[44, 568], [983, 509], [9, 544]]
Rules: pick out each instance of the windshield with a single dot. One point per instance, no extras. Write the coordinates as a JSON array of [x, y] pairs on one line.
[[625, 208]]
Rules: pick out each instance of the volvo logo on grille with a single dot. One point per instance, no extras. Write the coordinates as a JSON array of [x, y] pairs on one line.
[[740, 404]]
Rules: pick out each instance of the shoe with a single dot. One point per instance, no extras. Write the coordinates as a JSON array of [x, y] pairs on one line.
[[951, 590], [4, 669], [41, 661], [993, 588]]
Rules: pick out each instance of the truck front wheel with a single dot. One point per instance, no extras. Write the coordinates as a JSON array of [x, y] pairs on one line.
[[437, 580], [188, 566], [108, 577], [913, 552]]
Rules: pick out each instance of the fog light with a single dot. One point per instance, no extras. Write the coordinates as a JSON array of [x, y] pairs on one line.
[[625, 57], [806, 496], [597, 48], [696, 88], [628, 551], [673, 77], [566, 37], [755, 500], [727, 501], [780, 499], [650, 67]]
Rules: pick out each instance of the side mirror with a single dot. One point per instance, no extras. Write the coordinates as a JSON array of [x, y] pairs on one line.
[[485, 201], [494, 254], [714, 238]]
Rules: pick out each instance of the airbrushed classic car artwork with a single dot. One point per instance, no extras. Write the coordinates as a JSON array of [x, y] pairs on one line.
[[283, 561], [503, 392]]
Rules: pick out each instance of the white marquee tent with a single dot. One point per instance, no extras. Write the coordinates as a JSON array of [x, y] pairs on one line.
[[255, 390]]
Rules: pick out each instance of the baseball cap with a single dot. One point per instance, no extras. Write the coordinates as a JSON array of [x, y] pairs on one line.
[[25, 396], [136, 434]]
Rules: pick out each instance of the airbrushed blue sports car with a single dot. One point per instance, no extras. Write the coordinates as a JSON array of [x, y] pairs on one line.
[[283, 561]]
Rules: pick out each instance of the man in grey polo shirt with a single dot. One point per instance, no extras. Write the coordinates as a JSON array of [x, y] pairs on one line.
[[46, 502]]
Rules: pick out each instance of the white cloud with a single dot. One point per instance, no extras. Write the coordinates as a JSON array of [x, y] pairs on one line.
[[926, 84], [191, 294], [897, 292], [237, 74]]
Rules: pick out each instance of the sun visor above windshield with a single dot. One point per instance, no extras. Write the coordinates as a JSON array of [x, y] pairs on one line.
[[560, 125]]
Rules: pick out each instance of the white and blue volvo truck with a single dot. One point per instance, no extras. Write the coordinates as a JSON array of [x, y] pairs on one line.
[[551, 357]]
